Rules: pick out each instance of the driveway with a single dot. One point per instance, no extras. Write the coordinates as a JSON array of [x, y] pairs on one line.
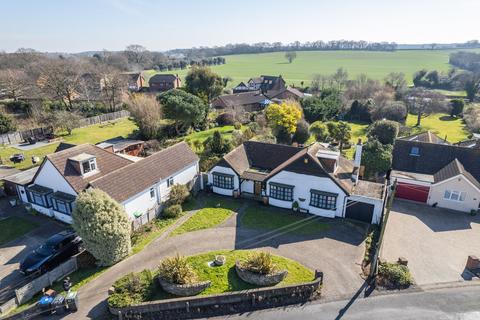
[[13, 252], [436, 242], [337, 252]]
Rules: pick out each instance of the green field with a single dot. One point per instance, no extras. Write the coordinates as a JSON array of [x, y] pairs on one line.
[[308, 63]]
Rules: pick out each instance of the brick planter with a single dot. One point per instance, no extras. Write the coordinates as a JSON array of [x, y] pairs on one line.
[[184, 290], [260, 279]]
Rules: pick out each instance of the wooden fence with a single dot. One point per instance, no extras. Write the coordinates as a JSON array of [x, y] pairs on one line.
[[39, 133]]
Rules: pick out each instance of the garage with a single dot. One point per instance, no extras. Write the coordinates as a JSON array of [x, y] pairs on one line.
[[412, 192], [359, 211]]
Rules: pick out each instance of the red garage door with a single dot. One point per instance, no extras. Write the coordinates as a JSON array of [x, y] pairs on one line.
[[412, 192]]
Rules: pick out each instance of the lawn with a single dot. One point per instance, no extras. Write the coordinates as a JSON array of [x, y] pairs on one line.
[[91, 134], [215, 211], [150, 232], [201, 136], [14, 227], [224, 278], [282, 221], [453, 129], [308, 63]]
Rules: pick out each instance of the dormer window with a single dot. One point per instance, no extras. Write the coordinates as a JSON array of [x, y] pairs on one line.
[[85, 164], [89, 166], [415, 151]]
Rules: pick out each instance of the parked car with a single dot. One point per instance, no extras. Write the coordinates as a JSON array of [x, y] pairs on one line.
[[17, 158], [57, 249]]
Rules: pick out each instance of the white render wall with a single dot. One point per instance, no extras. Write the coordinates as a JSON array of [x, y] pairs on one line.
[[182, 177], [141, 202], [247, 186], [458, 183], [225, 192], [302, 184], [50, 177]]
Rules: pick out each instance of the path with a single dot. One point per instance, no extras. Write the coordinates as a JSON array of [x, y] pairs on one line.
[[331, 251]]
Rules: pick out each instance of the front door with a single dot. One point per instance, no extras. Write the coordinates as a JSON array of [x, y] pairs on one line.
[[258, 188]]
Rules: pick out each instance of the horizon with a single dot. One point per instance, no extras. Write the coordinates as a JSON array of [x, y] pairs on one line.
[[113, 24]]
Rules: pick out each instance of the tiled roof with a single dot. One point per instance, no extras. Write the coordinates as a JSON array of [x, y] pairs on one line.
[[427, 136], [107, 162], [128, 181], [243, 98], [453, 169], [162, 78], [433, 157]]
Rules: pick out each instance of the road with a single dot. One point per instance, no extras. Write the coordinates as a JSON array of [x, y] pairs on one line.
[[441, 304]]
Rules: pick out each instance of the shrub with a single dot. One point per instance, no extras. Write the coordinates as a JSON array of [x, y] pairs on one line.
[[6, 124], [385, 131], [216, 144], [177, 270], [173, 211], [225, 119], [178, 194], [18, 106], [392, 110], [255, 127], [457, 107], [103, 225], [396, 274], [131, 289], [260, 262], [207, 162], [237, 125], [301, 134]]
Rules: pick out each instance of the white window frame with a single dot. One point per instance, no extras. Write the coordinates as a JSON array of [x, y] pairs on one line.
[[170, 182], [152, 193], [454, 195]]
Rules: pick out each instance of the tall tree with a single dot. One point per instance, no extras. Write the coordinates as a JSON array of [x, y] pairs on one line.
[[424, 102], [183, 108], [472, 86], [204, 83], [290, 56], [136, 54], [284, 117], [112, 85], [376, 157], [385, 131], [396, 80], [341, 132], [103, 225], [14, 83]]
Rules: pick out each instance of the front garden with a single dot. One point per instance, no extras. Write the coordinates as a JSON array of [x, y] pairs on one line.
[[261, 217], [14, 227], [140, 287]]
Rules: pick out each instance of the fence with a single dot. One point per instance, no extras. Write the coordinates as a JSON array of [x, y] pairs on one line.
[[146, 218], [40, 133], [26, 292]]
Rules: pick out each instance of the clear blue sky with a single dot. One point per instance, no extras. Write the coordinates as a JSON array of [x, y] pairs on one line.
[[80, 25]]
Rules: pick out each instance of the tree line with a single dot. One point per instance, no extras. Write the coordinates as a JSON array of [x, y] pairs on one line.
[[263, 47]]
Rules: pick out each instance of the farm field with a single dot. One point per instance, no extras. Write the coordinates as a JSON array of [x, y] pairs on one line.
[[308, 63]]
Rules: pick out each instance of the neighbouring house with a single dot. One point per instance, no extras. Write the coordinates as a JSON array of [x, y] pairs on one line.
[[241, 102], [287, 93], [263, 83], [432, 171], [319, 180], [474, 142], [17, 183], [135, 81], [142, 187], [121, 145], [163, 82]]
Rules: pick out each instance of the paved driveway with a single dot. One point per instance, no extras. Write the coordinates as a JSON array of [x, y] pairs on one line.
[[13, 252], [435, 241], [337, 252]]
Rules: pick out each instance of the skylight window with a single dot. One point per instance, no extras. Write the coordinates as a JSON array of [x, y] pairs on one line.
[[415, 151]]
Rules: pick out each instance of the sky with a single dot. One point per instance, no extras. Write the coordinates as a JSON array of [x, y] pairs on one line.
[[84, 25]]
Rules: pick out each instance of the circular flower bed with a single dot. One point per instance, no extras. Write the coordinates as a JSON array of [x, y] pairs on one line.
[[184, 290], [259, 279]]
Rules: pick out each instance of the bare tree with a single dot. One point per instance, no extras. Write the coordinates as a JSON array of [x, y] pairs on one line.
[[136, 54], [14, 83], [61, 79], [424, 102], [396, 80], [112, 83], [147, 113]]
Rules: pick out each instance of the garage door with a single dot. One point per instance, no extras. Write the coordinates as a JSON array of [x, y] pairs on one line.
[[412, 192], [359, 211]]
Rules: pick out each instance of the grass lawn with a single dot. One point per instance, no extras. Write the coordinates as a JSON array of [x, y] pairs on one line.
[[275, 219], [91, 134], [225, 279], [150, 232], [216, 210], [376, 65], [443, 125], [201, 136], [14, 227]]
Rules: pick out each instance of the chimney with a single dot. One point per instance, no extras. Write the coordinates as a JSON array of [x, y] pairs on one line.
[[357, 160]]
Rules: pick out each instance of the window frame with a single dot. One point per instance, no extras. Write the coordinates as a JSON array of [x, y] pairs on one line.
[[279, 191], [220, 180], [460, 195], [170, 182], [415, 154], [152, 193], [323, 200]]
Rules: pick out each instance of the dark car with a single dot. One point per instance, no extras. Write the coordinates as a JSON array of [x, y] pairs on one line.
[[57, 249], [17, 158]]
